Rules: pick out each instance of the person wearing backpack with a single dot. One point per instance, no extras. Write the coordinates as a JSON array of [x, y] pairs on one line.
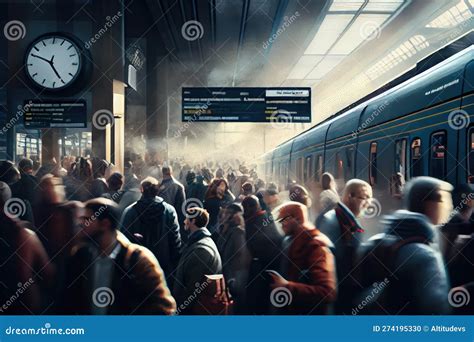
[[405, 256], [153, 223]]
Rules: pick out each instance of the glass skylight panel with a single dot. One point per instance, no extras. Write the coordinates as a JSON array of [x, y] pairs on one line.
[[326, 65], [366, 27], [331, 28], [346, 5], [383, 5], [452, 17], [304, 66]]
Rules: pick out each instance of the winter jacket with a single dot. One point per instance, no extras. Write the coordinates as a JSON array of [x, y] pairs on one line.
[[172, 193], [137, 285], [344, 231], [157, 224], [311, 274], [416, 283], [200, 257], [235, 258]]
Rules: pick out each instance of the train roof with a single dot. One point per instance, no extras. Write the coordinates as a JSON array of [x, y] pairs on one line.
[[439, 62]]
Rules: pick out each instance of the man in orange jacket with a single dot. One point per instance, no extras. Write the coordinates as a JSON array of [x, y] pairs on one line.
[[309, 286]]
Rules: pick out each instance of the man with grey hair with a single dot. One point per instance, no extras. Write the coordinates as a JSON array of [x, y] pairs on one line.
[[405, 257], [344, 230]]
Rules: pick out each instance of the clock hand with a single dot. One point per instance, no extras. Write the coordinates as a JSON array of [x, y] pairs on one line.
[[44, 59], [55, 71]]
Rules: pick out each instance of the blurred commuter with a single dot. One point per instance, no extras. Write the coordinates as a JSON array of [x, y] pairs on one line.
[[26, 186], [79, 182], [26, 270], [270, 197], [217, 196], [298, 193], [230, 241], [247, 190], [264, 244], [328, 198], [195, 187], [309, 272], [172, 193], [114, 183], [460, 222], [153, 223], [108, 266], [200, 257], [405, 259], [99, 184], [344, 230], [10, 175]]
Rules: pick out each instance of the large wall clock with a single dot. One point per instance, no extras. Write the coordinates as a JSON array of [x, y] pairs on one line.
[[55, 61]]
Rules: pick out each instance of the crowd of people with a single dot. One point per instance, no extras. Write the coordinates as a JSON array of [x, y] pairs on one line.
[[78, 237]]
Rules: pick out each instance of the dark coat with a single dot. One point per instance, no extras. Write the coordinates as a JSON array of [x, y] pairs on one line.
[[235, 257], [419, 285], [172, 193], [25, 188], [138, 283], [344, 233], [156, 221], [265, 245], [200, 257]]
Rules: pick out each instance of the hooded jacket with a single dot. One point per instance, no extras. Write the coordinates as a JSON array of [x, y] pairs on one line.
[[417, 281], [157, 223]]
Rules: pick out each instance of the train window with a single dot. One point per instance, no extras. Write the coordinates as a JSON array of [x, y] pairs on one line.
[[308, 169], [299, 170], [319, 167], [349, 163], [470, 160], [373, 164], [416, 158], [339, 167], [438, 155], [400, 156]]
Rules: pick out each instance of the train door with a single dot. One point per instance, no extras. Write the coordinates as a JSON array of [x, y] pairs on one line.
[[465, 157]]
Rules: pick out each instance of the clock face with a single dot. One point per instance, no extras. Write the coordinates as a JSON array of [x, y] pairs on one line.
[[53, 62]]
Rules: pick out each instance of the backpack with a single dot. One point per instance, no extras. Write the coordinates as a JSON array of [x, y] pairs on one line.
[[376, 271]]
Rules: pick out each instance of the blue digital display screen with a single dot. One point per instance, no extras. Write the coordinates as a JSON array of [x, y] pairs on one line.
[[55, 114], [246, 104]]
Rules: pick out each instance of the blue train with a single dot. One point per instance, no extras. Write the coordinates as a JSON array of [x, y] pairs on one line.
[[422, 126]]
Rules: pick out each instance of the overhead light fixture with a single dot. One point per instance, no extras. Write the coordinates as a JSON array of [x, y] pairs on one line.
[[452, 17]]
